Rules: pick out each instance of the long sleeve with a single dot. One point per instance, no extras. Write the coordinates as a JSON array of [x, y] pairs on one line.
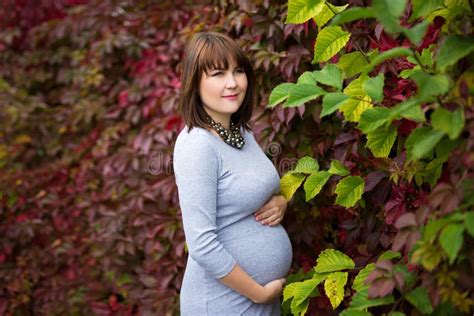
[[196, 169]]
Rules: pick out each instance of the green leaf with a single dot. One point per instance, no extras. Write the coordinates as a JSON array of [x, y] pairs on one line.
[[430, 231], [300, 11], [426, 57], [406, 73], [380, 141], [414, 113], [330, 75], [421, 141], [454, 48], [354, 107], [374, 118], [289, 291], [359, 101], [352, 63], [417, 32], [374, 87], [388, 13], [469, 222], [356, 87], [361, 301], [314, 183], [289, 183], [299, 309], [307, 78], [280, 93], [432, 172], [420, 299], [123, 279], [306, 164], [389, 255], [331, 102], [304, 289], [352, 14], [301, 291], [444, 148], [359, 280], [331, 260], [326, 13], [451, 239], [338, 168], [349, 191], [448, 122], [302, 93], [402, 108], [334, 287], [421, 8], [391, 53], [329, 42], [430, 86]]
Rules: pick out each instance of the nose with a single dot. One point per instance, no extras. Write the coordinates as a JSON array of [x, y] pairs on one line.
[[231, 82]]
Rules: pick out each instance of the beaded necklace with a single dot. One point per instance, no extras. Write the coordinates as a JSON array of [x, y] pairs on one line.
[[230, 136]]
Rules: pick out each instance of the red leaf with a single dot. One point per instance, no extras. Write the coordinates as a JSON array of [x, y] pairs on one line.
[[399, 280], [373, 179], [406, 220], [393, 210], [374, 275], [381, 287], [400, 240], [384, 264]]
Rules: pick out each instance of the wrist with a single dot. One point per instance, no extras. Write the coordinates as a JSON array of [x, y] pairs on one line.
[[259, 294], [282, 197]]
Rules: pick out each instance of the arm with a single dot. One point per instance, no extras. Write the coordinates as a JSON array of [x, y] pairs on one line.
[[241, 282], [195, 166]]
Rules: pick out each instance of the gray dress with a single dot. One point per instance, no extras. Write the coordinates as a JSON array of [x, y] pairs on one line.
[[219, 188]]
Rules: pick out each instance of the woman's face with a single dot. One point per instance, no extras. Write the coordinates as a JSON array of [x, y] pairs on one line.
[[216, 88]]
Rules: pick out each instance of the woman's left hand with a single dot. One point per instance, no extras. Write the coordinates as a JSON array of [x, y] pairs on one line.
[[273, 211]]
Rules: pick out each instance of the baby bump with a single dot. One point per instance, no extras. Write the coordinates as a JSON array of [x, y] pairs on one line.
[[263, 251]]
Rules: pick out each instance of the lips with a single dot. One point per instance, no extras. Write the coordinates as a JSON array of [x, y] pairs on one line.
[[231, 96]]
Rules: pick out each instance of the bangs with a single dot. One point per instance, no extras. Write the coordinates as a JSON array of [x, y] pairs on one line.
[[216, 53]]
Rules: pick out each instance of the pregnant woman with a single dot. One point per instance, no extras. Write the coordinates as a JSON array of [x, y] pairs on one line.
[[239, 254]]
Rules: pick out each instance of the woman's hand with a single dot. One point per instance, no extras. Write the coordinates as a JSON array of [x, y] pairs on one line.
[[271, 291], [273, 211]]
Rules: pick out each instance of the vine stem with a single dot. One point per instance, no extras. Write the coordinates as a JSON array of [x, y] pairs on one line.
[[395, 305], [352, 40]]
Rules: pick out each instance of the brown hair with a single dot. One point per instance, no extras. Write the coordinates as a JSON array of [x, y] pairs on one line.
[[206, 51]]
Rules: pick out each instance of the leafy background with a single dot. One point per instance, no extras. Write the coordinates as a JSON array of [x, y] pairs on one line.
[[90, 220]]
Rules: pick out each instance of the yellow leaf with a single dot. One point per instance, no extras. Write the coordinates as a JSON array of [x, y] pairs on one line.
[[353, 108], [23, 139], [289, 183], [334, 287]]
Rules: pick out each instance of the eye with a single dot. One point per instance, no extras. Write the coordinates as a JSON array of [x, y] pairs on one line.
[[240, 70], [217, 73]]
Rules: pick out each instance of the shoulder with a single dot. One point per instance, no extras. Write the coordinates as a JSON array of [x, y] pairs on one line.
[[193, 146], [192, 139]]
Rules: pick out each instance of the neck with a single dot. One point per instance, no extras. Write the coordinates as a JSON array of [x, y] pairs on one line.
[[223, 119]]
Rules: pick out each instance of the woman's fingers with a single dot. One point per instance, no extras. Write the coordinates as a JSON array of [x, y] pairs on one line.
[[264, 215], [271, 219]]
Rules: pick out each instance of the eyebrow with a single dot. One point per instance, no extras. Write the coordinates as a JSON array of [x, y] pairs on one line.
[[216, 69]]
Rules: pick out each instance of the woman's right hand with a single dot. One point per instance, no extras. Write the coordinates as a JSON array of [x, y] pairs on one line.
[[272, 290]]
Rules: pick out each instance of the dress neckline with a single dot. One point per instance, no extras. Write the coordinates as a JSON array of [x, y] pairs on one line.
[[218, 138]]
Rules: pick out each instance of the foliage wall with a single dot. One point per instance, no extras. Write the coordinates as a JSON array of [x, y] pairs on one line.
[[395, 183], [90, 222]]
